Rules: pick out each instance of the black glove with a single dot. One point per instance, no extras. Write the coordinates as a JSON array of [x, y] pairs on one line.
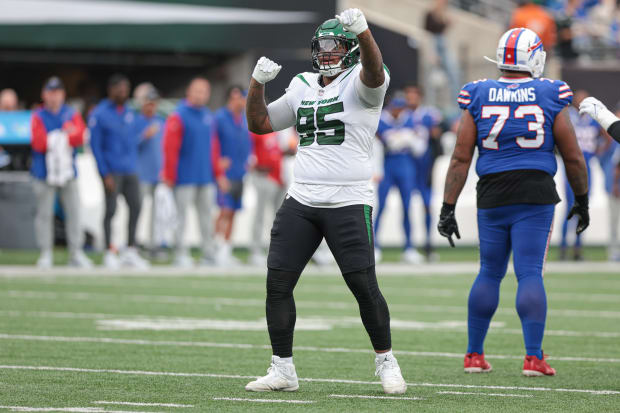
[[580, 209], [447, 223]]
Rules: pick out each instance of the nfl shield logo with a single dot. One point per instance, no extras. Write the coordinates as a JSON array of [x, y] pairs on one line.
[[321, 92]]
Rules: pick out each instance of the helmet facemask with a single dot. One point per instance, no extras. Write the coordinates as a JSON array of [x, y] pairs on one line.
[[332, 55]]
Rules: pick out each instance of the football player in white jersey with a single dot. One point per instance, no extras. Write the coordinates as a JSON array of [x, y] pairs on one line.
[[336, 113]]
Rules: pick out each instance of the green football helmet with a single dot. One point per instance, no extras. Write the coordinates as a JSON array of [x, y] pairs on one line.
[[331, 39]]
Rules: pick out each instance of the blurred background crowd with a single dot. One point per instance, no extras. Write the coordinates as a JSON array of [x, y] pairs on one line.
[[122, 124]]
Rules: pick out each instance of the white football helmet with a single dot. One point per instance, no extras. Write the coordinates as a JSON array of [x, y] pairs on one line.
[[521, 50]]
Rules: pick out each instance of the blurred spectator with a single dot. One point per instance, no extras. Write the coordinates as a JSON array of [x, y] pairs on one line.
[[436, 22], [270, 189], [150, 127], [235, 147], [398, 137], [614, 204], [8, 100], [114, 141], [56, 131], [427, 125], [589, 137], [536, 18], [191, 166], [564, 23]]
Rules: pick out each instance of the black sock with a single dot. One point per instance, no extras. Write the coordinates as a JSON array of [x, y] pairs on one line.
[[280, 310]]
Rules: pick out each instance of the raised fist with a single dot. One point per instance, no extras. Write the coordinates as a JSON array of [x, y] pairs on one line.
[[353, 20], [265, 70]]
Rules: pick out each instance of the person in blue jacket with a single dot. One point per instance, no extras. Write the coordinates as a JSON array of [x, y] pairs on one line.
[[150, 129], [114, 143], [235, 145]]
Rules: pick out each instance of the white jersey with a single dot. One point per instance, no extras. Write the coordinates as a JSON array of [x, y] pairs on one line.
[[336, 126]]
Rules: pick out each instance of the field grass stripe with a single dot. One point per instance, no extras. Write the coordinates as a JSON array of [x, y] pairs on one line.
[[251, 302], [415, 308], [142, 404], [67, 409], [316, 380], [109, 340], [485, 394], [362, 396], [240, 399]]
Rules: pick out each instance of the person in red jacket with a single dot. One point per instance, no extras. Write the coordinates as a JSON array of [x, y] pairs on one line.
[[192, 166], [270, 189], [56, 130]]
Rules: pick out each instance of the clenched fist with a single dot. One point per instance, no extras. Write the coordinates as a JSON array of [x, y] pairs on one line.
[[265, 70], [353, 20], [597, 111]]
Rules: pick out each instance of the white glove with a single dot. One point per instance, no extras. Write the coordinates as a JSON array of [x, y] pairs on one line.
[[265, 70], [353, 21], [597, 111]]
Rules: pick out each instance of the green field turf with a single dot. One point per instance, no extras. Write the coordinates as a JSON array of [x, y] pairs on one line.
[[98, 328], [446, 254]]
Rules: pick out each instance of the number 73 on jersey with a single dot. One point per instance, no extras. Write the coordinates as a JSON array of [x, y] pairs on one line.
[[502, 114]]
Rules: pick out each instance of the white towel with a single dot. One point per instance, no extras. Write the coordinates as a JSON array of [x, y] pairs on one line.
[[165, 215], [59, 158]]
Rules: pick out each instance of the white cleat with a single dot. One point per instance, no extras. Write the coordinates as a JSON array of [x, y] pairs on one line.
[[45, 260], [111, 261], [80, 260], [131, 258], [390, 375], [280, 376], [183, 260], [412, 256], [258, 259]]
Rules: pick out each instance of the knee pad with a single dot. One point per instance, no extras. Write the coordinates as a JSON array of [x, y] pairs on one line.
[[280, 284]]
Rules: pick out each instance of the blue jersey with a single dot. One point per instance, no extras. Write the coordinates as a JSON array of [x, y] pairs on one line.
[[587, 130], [425, 118], [390, 131], [514, 120]]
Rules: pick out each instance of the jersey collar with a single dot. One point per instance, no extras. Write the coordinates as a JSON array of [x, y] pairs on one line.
[[515, 79]]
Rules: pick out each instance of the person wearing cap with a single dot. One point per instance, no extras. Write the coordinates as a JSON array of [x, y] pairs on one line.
[[114, 141], [399, 141], [56, 131], [150, 127], [191, 167], [235, 148]]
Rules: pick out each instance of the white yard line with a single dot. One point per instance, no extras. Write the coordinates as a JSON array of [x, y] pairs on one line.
[[206, 344], [361, 396], [142, 404], [67, 409], [485, 394], [315, 380], [250, 302], [239, 399]]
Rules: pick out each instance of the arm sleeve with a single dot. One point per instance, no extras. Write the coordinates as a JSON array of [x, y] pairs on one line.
[[96, 144], [281, 114], [216, 154], [371, 97], [173, 137], [77, 137], [38, 134], [614, 130]]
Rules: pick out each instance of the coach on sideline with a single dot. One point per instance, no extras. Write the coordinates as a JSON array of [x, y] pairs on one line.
[[191, 166], [114, 141], [56, 130]]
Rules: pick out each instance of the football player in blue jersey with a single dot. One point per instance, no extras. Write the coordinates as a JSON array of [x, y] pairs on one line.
[[426, 122], [515, 122], [397, 135], [590, 139]]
